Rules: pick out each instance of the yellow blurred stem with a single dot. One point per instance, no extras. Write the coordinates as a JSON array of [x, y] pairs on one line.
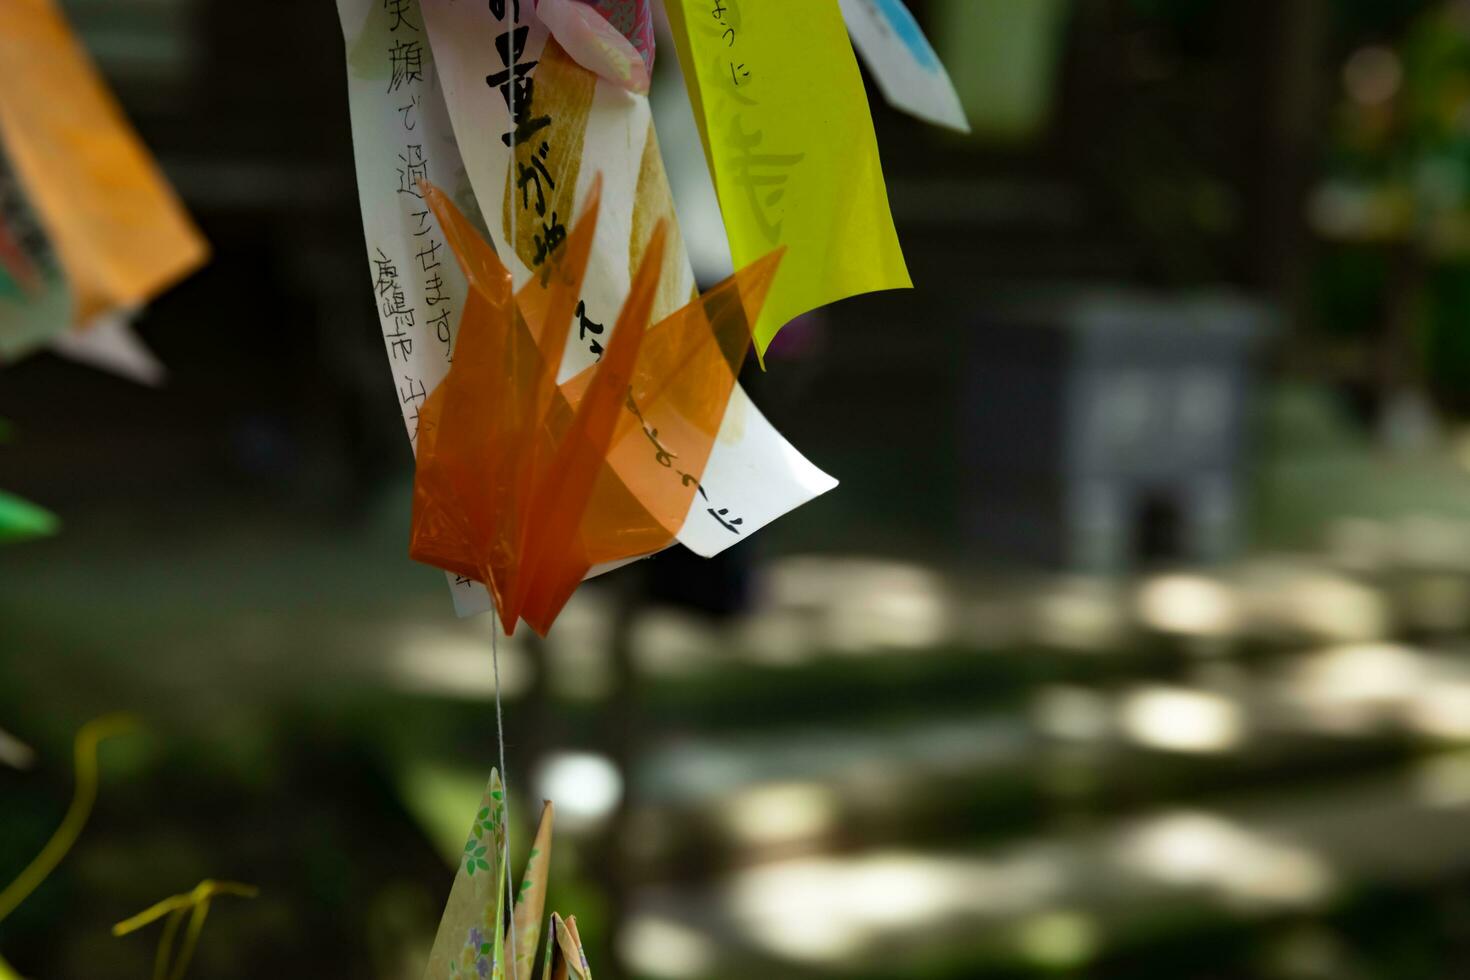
[[87, 740], [166, 964]]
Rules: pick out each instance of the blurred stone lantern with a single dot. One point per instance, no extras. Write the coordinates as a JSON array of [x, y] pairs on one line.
[[1106, 430]]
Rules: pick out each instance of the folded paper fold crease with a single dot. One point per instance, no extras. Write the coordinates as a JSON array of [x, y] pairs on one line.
[[525, 484]]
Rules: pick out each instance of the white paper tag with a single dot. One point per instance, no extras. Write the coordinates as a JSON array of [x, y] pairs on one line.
[[903, 61], [401, 134]]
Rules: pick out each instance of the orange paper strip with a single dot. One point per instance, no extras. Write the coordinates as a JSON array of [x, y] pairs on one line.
[[116, 226]]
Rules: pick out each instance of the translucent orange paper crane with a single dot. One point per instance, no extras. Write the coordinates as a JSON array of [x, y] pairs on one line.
[[526, 485]]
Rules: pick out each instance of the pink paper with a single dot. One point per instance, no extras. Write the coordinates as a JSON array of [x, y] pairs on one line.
[[613, 38]]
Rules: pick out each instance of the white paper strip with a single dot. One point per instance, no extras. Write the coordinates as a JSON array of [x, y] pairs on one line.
[[753, 475], [903, 61], [400, 134], [110, 344]]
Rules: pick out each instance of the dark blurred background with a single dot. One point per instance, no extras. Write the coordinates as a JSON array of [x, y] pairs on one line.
[[1135, 643]]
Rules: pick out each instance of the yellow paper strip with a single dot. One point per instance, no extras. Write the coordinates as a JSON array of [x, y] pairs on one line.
[[781, 108]]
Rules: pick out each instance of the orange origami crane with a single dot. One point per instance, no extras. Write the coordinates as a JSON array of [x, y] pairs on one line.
[[526, 485]]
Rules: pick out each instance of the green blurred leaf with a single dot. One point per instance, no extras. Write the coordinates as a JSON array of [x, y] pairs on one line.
[[20, 520]]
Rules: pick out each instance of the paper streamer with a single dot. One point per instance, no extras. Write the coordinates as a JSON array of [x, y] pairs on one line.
[[401, 134], [571, 126], [789, 140], [903, 62]]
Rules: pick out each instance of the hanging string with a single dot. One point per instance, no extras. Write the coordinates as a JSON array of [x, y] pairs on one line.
[[505, 784], [515, 10]]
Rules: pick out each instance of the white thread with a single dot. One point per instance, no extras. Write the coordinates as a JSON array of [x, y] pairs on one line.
[[495, 617], [504, 785]]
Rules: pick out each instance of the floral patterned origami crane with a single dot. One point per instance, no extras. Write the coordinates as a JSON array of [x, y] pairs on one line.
[[483, 930]]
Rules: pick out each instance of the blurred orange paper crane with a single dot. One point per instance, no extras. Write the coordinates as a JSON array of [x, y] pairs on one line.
[[527, 485], [116, 225]]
